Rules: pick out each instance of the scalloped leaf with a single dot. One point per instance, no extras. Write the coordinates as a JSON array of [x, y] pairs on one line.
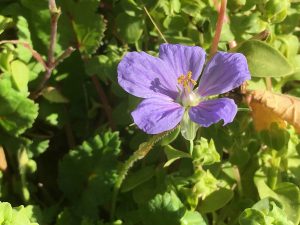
[[87, 174], [163, 209], [17, 113]]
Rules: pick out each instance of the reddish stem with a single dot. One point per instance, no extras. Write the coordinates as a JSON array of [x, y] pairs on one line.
[[104, 101], [219, 26], [34, 53]]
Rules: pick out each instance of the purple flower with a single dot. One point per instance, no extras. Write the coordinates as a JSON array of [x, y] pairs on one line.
[[167, 85]]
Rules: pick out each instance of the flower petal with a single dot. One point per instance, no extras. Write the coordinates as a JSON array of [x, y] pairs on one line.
[[183, 59], [212, 111], [147, 76], [156, 115], [224, 72]]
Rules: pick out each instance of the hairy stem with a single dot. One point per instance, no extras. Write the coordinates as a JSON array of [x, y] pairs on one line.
[[219, 26], [139, 154]]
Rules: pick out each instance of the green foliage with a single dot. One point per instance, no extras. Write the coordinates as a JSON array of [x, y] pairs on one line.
[[263, 60], [14, 216], [17, 113], [64, 144], [91, 185], [163, 209], [264, 212]]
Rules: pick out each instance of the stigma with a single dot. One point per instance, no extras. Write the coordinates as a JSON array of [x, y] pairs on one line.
[[186, 81]]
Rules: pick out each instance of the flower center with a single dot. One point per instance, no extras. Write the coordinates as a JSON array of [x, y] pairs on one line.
[[188, 97], [186, 81]]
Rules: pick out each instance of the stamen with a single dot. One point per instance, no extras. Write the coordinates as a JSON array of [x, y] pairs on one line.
[[186, 80]]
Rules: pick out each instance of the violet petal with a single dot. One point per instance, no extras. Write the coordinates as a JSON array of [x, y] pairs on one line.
[[183, 59], [157, 115], [224, 72], [147, 76], [212, 111]]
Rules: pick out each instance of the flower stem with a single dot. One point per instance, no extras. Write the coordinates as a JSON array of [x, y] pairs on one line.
[[191, 147], [219, 25], [139, 154]]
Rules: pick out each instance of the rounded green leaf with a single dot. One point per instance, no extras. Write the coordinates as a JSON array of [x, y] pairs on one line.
[[264, 60], [216, 200], [20, 75], [192, 218]]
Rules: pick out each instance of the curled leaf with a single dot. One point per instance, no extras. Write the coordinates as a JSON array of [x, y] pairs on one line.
[[271, 107]]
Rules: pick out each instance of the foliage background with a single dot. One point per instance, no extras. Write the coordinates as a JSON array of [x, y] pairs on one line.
[[63, 144]]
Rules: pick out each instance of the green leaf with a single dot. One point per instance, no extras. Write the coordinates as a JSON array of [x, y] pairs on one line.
[[4, 21], [279, 216], [192, 218], [14, 216], [37, 147], [79, 24], [216, 200], [5, 212], [173, 154], [135, 179], [53, 95], [288, 194], [252, 217], [168, 139], [264, 60], [276, 137], [264, 212], [20, 75], [17, 113], [129, 28], [23, 35], [163, 209], [89, 30], [176, 23], [205, 152], [87, 173]]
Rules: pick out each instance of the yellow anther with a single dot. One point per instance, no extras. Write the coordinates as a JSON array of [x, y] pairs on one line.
[[186, 80]]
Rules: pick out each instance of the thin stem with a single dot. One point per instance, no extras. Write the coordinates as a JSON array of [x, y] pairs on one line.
[[103, 99], [153, 22], [34, 53], [191, 147], [236, 173], [51, 62], [219, 26], [139, 154], [273, 172], [64, 55], [55, 14], [268, 83]]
